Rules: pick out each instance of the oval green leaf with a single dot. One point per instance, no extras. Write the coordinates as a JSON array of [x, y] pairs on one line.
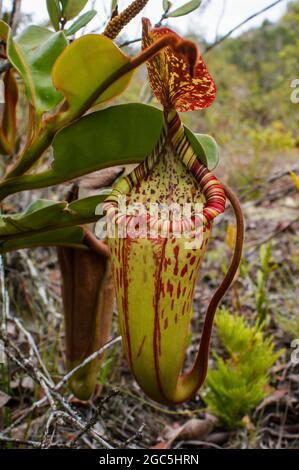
[[69, 236], [33, 54], [114, 136], [72, 8], [82, 21], [184, 9], [45, 214], [54, 12], [166, 5], [84, 65], [205, 147]]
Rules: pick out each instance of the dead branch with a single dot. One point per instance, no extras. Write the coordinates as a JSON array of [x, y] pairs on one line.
[[15, 15], [238, 26]]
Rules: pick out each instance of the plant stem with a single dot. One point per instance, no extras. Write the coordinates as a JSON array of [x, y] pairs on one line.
[[32, 152]]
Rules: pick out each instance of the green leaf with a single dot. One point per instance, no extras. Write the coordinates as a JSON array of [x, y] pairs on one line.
[[44, 215], [72, 8], [63, 4], [117, 135], [84, 65], [32, 208], [33, 54], [70, 236], [113, 5], [82, 21], [205, 147], [54, 12], [166, 5], [49, 223], [41, 48], [185, 9]]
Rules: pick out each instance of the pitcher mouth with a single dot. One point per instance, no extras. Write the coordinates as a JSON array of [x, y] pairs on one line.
[[196, 212], [130, 222], [188, 220]]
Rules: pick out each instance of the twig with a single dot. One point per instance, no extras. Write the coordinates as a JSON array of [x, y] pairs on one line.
[[87, 361], [250, 189], [81, 425], [157, 25], [47, 436], [40, 287], [283, 423], [235, 28], [137, 436], [129, 42], [20, 442], [92, 422], [60, 384], [275, 433], [220, 19], [163, 17], [4, 294], [56, 418], [34, 348], [52, 396], [28, 367], [15, 15], [275, 234]]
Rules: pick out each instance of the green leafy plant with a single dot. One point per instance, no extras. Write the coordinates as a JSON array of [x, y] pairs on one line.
[[62, 81], [238, 383], [62, 11]]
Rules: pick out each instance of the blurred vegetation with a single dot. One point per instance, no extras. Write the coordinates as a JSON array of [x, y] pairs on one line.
[[253, 115], [253, 74]]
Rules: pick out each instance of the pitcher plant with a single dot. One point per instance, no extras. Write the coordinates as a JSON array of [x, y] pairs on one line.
[[156, 257], [57, 79], [67, 84]]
